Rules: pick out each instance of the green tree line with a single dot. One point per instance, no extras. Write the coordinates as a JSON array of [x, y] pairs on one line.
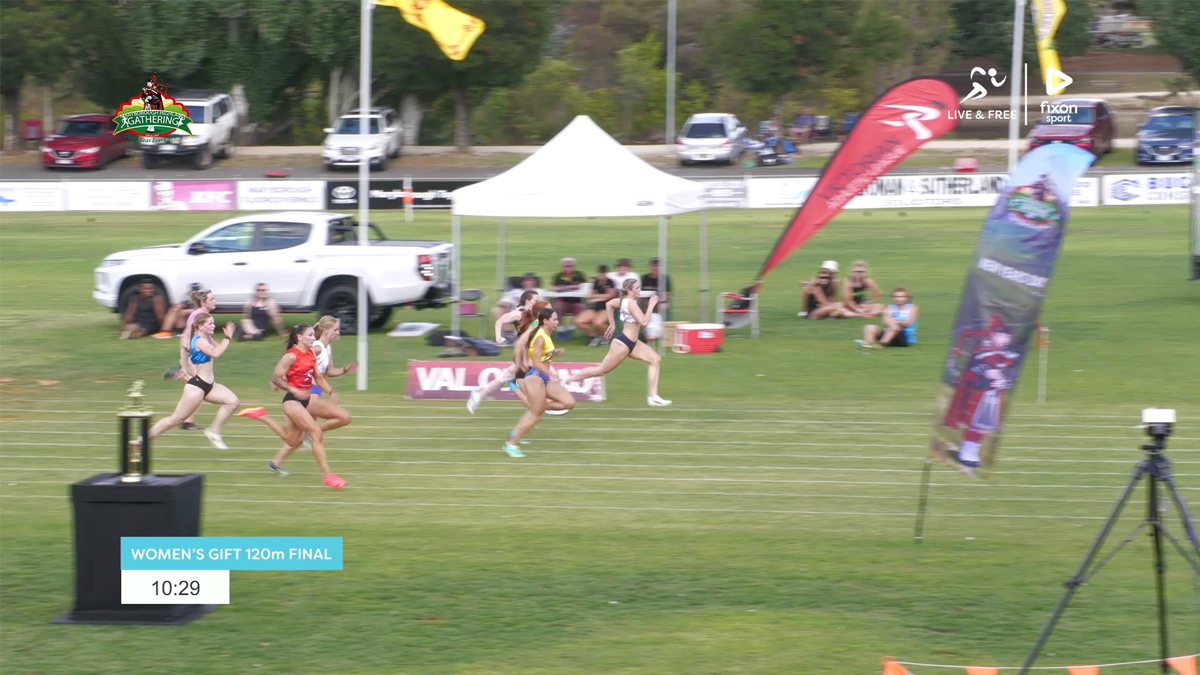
[[537, 65]]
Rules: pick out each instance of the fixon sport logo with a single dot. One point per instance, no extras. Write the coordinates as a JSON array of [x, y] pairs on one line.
[[1126, 189]]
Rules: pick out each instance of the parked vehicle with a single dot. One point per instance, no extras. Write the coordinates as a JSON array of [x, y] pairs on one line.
[[1167, 135], [311, 260], [214, 125], [1084, 123], [84, 142], [711, 137], [344, 144]]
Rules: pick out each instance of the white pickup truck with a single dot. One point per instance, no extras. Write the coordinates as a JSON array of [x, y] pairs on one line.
[[311, 261]]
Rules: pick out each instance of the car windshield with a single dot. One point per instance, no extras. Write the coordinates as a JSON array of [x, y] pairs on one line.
[[706, 130], [1072, 114], [1169, 123], [82, 128], [349, 125], [197, 113]]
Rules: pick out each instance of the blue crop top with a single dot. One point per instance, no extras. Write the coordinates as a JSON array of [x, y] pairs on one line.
[[198, 356]]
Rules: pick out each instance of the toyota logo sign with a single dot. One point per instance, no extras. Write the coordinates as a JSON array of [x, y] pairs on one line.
[[344, 192]]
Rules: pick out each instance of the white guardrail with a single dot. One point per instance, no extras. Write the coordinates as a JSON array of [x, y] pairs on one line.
[[752, 192]]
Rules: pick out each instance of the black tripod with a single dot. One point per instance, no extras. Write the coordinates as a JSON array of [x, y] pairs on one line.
[[1157, 469]]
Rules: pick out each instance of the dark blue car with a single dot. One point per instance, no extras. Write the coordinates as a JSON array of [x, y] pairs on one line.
[[1167, 136]]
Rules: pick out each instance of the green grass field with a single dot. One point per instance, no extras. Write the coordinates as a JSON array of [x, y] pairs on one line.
[[762, 524]]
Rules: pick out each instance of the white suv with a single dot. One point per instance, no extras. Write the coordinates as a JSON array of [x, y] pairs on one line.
[[214, 128], [344, 145]]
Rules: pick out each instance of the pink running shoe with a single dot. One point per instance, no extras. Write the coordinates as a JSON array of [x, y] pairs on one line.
[[253, 413], [334, 482]]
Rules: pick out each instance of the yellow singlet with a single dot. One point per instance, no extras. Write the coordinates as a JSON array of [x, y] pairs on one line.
[[547, 347]]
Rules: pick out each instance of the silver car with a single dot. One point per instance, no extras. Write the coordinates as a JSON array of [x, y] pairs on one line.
[[711, 137]]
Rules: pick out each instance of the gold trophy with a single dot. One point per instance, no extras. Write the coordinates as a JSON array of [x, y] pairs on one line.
[[135, 445]]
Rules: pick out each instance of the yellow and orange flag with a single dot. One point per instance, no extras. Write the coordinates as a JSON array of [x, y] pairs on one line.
[[452, 30]]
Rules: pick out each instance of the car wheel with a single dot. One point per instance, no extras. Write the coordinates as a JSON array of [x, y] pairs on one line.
[[227, 150], [202, 159], [149, 161], [379, 317], [383, 162]]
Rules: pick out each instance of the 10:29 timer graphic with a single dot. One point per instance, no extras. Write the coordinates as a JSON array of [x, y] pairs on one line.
[[180, 588]]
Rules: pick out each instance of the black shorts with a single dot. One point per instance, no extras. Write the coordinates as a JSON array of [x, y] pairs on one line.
[[288, 397], [624, 339], [812, 305], [900, 340], [200, 384], [148, 327]]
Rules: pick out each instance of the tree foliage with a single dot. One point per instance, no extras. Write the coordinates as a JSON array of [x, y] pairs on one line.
[[1177, 28], [984, 30]]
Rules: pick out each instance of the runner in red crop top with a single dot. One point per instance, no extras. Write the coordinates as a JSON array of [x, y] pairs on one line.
[[294, 374]]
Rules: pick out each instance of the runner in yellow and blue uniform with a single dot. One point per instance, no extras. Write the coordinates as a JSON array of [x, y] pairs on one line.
[[539, 381]]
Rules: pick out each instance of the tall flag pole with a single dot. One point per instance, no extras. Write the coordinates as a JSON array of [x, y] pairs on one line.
[[903, 119], [1014, 79], [364, 180]]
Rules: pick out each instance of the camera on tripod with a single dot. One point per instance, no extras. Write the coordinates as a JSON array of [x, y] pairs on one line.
[[1158, 423]]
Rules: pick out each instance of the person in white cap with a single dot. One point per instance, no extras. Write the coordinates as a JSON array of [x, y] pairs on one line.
[[819, 297]]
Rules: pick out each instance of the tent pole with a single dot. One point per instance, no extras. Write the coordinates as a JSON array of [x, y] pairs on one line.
[[704, 266], [501, 241], [364, 181], [662, 278], [456, 277]]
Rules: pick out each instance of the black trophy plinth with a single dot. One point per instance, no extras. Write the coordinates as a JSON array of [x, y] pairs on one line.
[[106, 509]]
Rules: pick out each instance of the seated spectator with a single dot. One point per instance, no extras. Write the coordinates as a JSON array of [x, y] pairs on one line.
[[145, 314], [802, 126], [861, 293], [526, 301], [177, 316], [819, 297], [899, 324], [512, 299], [261, 313], [650, 283], [566, 280], [593, 320], [623, 272]]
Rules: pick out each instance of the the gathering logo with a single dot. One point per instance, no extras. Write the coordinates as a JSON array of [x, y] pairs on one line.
[[978, 90], [152, 113], [1034, 205], [912, 118]]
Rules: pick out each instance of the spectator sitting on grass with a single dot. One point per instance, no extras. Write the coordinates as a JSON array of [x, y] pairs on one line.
[[861, 293], [818, 299], [594, 319], [145, 313], [512, 299], [899, 324], [566, 280], [260, 313], [177, 316]]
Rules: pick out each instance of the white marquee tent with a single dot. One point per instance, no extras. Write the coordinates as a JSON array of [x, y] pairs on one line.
[[581, 173]]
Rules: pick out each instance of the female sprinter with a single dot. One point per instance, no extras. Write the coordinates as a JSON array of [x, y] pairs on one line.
[[540, 381], [201, 385], [528, 298], [327, 329], [626, 344], [295, 374]]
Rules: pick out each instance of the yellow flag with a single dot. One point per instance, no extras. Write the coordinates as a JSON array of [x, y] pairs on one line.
[[1047, 14], [452, 30]]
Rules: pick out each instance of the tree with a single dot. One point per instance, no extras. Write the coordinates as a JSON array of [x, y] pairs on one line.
[[777, 46], [983, 30], [32, 45], [510, 47], [1176, 25]]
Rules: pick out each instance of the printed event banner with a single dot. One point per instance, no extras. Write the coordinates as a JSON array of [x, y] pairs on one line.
[[389, 194], [899, 122], [440, 380], [1140, 189], [108, 196], [193, 195], [1001, 301], [918, 191], [32, 196], [285, 195]]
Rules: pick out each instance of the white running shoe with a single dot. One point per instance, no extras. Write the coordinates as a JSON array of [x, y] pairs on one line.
[[473, 402], [215, 440], [657, 401], [557, 412]]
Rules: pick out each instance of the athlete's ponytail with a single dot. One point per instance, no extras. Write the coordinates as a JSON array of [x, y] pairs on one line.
[[294, 336], [528, 316]]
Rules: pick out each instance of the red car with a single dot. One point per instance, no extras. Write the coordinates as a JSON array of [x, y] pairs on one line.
[[1084, 123], [84, 141]]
